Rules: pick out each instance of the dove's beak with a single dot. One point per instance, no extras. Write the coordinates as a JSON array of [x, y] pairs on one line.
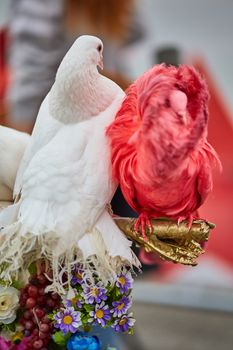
[[100, 63]]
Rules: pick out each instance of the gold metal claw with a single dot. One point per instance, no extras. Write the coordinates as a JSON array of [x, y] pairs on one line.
[[169, 240]]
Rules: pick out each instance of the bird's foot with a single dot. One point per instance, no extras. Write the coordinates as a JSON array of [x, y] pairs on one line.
[[144, 222], [190, 218]]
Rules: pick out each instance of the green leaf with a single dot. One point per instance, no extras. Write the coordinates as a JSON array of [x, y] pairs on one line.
[[54, 346], [131, 331], [87, 328], [10, 327], [17, 284], [88, 307], [3, 283], [85, 320], [51, 316], [32, 269], [118, 293], [61, 338]]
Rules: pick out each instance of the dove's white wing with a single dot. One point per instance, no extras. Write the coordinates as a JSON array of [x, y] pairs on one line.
[[69, 181], [12, 147], [44, 130], [65, 189], [62, 185]]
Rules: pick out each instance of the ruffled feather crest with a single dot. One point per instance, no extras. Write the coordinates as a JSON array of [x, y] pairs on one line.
[[148, 125]]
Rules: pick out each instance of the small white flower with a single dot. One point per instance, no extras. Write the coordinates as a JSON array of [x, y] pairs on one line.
[[9, 302]]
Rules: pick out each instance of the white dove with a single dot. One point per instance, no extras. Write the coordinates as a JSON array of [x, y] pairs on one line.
[[12, 147], [65, 179], [67, 103]]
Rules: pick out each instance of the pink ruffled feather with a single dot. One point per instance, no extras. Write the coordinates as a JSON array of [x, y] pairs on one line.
[[160, 154]]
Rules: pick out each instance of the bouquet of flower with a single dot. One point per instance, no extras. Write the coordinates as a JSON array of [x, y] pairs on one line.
[[32, 318]]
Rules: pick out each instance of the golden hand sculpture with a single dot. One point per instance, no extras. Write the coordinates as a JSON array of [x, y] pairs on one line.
[[169, 240]]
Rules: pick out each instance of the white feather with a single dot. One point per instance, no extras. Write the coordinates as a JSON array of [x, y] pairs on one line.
[[12, 147], [44, 130], [107, 238], [69, 180]]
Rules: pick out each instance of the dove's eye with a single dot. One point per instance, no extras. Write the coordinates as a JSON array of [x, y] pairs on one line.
[[99, 48]]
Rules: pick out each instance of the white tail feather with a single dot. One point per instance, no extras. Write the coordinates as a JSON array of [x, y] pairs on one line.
[[107, 242], [8, 215], [104, 251], [115, 241]]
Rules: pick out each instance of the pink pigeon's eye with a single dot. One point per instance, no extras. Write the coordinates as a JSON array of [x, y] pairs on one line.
[[99, 48]]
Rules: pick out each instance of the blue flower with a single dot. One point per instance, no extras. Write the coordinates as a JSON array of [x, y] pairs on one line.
[[83, 341]]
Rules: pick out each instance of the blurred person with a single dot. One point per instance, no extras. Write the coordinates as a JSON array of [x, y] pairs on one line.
[[3, 74], [41, 31]]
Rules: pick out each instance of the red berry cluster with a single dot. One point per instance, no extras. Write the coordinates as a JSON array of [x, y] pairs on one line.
[[36, 304]]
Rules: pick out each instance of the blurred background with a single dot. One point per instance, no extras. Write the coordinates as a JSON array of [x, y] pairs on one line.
[[176, 307]]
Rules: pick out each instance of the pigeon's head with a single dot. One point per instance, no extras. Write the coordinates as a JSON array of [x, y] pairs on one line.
[[86, 53], [89, 49], [79, 89]]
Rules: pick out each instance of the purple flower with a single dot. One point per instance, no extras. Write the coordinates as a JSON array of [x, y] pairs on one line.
[[77, 277], [124, 282], [68, 320], [95, 293], [124, 323], [121, 307], [101, 314], [67, 303], [75, 302]]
